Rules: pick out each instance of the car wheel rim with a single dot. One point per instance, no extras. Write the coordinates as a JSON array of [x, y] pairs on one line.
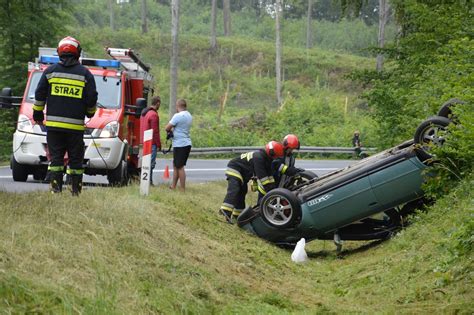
[[278, 210], [433, 136]]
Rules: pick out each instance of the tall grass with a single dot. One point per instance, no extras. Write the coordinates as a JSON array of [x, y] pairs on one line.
[[112, 251]]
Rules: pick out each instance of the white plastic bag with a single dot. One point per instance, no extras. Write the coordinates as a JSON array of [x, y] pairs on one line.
[[299, 254]]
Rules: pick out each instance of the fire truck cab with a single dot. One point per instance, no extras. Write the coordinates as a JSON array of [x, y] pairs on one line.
[[112, 135]]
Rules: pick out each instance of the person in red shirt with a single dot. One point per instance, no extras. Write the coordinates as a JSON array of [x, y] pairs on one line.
[[151, 120]]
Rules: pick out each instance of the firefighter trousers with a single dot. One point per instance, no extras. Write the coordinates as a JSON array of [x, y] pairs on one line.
[[234, 201], [61, 142]]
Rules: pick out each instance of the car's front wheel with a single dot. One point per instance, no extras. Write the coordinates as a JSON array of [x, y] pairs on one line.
[[19, 171], [119, 175], [280, 208]]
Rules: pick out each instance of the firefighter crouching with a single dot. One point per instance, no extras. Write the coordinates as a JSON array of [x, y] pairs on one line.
[[241, 170], [68, 89]]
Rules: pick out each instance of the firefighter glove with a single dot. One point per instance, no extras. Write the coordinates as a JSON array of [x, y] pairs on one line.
[[38, 116]]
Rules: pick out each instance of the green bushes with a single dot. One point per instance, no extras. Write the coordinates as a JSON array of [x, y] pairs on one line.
[[455, 159]]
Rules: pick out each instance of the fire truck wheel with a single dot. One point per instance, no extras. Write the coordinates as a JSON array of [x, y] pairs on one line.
[[119, 175], [39, 173], [19, 171]]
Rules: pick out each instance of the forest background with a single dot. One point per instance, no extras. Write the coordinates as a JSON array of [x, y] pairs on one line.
[[119, 253]]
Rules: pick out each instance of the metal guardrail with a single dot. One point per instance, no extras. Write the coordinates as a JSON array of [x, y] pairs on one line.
[[305, 149]]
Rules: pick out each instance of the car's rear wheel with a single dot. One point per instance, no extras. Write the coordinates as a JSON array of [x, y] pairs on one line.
[[431, 132], [19, 171], [280, 208], [446, 108]]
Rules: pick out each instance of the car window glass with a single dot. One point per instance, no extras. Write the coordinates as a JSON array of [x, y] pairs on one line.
[[109, 91], [35, 77]]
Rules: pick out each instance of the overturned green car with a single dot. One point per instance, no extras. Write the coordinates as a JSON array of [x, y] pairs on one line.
[[344, 205]]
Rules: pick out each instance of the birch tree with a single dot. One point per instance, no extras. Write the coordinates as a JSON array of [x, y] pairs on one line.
[[278, 50], [213, 25], [174, 56], [309, 33], [383, 17], [111, 15], [144, 23], [227, 23]]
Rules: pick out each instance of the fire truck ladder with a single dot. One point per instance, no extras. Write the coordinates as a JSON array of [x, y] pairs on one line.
[[128, 59]]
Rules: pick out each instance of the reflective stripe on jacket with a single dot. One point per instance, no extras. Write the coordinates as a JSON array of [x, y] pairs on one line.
[[69, 93]]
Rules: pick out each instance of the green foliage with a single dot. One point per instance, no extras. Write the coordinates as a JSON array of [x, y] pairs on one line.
[[431, 64], [24, 25], [455, 159], [352, 36]]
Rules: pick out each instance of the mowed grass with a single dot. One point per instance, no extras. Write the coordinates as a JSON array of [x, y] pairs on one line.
[[112, 251]]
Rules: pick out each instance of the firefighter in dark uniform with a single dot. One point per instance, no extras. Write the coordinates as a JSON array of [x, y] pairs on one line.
[[240, 171], [68, 89]]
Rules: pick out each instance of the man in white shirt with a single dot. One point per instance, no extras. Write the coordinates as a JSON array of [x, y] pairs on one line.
[[179, 125]]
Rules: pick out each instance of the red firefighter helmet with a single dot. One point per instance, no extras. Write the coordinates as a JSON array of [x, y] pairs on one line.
[[274, 149], [291, 142], [69, 45]]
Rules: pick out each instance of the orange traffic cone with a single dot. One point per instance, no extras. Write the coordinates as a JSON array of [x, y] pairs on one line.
[[166, 173]]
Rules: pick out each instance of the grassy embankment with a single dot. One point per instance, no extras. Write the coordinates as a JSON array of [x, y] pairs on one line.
[[113, 252]]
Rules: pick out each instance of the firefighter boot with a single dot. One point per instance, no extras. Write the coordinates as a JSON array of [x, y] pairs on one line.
[[56, 182], [227, 215], [76, 184]]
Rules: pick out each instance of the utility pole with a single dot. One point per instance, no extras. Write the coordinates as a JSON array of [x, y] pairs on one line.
[[174, 56]]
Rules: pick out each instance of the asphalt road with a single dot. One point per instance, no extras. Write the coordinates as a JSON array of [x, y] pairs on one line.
[[198, 171]]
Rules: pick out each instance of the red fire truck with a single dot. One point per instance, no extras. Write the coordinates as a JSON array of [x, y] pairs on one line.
[[112, 136]]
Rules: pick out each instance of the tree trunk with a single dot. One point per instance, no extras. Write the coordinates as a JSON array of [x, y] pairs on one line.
[[111, 15], [226, 8], [174, 56], [309, 33], [278, 51], [383, 17], [144, 23], [213, 25]]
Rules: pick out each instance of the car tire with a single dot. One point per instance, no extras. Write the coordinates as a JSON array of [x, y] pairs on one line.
[[300, 179], [280, 208], [20, 172], [119, 175], [446, 108], [430, 133], [39, 173]]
